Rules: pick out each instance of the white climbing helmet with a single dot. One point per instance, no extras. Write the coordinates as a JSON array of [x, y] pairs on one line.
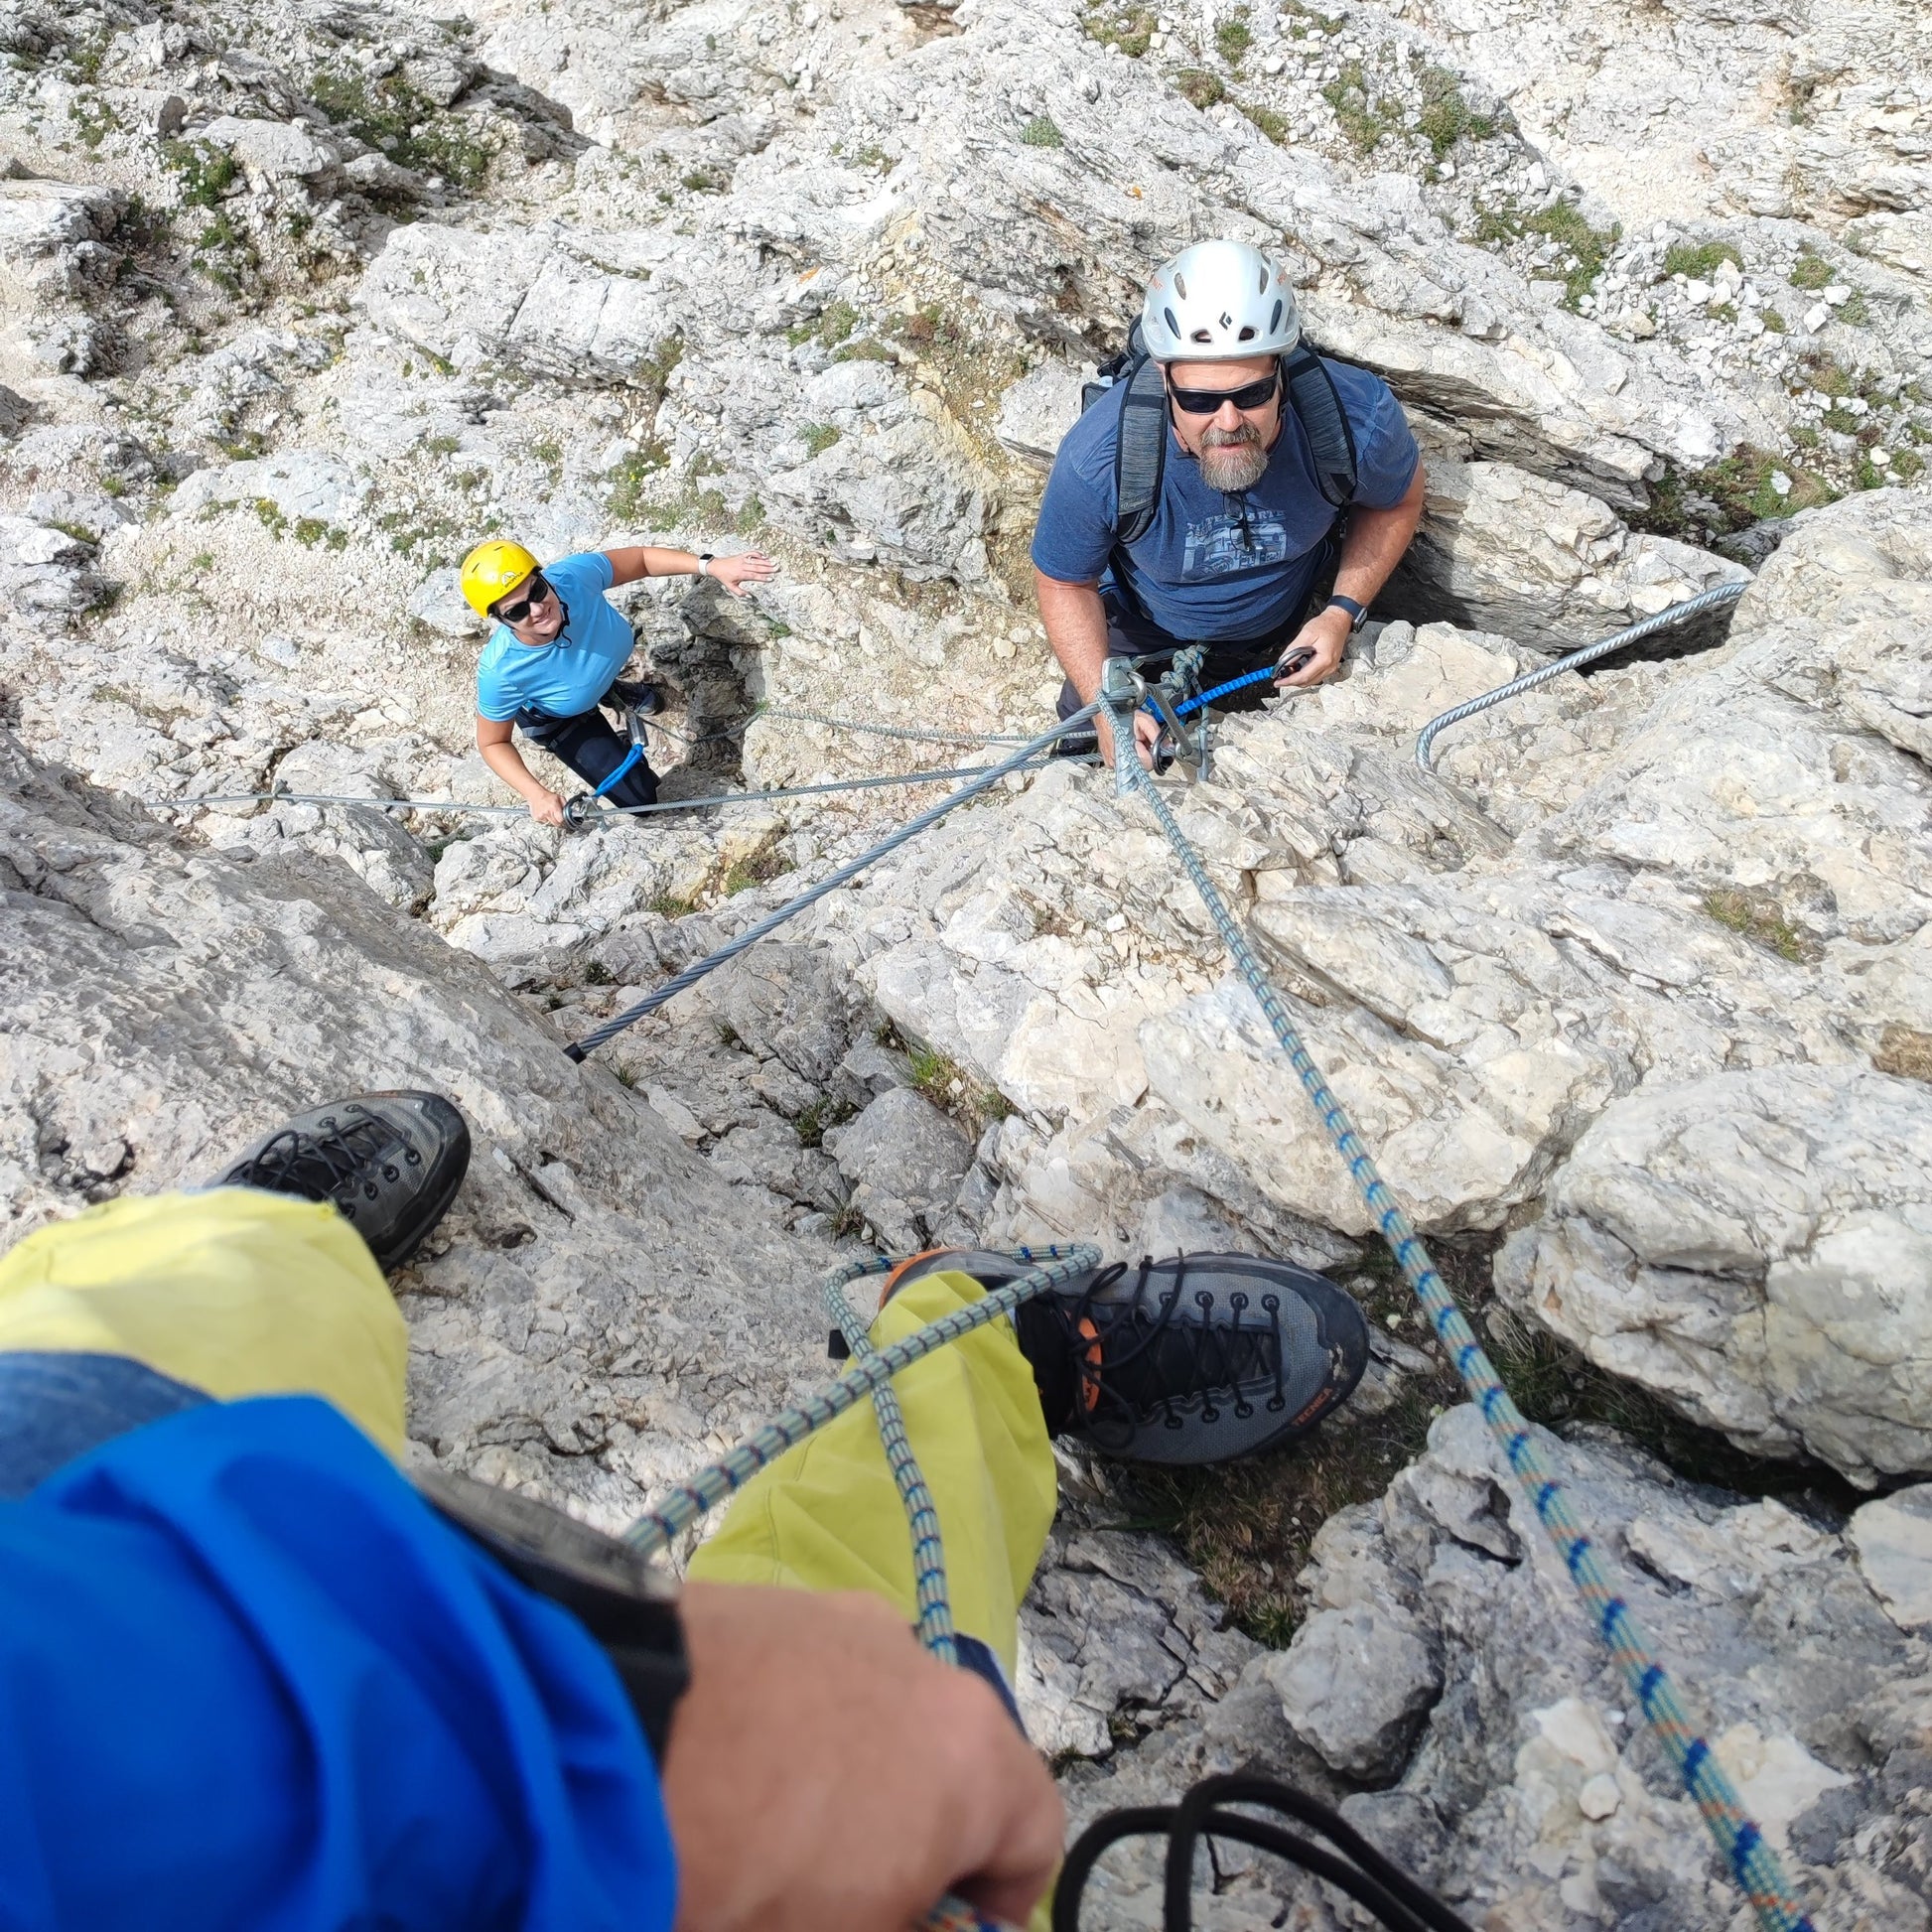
[[1220, 302]]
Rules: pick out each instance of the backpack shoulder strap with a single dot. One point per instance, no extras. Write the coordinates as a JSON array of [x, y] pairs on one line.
[[1141, 453], [1313, 393]]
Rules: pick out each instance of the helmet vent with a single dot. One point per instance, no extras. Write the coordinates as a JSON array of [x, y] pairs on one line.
[[1274, 321], [1247, 332], [1260, 287], [1180, 288], [1172, 326], [1200, 335]]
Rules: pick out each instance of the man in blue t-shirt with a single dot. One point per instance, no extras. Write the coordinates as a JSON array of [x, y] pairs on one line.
[[554, 657], [1242, 537]]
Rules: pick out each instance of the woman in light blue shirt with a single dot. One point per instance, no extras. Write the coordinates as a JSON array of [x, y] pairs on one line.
[[555, 653]]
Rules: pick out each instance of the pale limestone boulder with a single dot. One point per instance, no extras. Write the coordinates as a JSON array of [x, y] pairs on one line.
[[1756, 1248], [273, 150], [1500, 549], [300, 485], [1356, 1685], [905, 1161], [1892, 1540], [463, 295]]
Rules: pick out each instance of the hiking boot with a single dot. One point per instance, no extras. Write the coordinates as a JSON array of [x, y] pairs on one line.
[[632, 694], [390, 1162], [1198, 1359]]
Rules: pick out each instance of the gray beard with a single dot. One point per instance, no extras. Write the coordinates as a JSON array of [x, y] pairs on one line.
[[1232, 467]]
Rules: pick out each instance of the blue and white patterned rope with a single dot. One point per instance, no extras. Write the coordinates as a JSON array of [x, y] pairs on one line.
[[1756, 1867]]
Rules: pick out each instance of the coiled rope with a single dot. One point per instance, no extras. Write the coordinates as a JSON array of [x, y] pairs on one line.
[[982, 779], [1756, 1867], [1711, 600]]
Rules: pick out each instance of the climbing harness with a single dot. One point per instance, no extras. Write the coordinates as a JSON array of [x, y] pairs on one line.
[[1711, 600], [981, 780]]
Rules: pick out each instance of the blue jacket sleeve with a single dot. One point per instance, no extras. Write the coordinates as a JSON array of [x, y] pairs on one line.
[[248, 1678]]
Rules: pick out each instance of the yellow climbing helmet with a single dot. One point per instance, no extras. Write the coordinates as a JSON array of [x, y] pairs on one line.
[[490, 570]]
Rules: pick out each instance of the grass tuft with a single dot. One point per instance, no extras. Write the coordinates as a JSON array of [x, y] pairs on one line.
[[1042, 132], [1199, 87], [1811, 272], [1758, 916], [1698, 264]]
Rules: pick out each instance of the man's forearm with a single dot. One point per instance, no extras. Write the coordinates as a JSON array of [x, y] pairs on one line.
[[1076, 630], [1375, 544]]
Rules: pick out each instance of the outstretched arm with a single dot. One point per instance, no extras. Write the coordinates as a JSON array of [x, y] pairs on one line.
[[1372, 548], [642, 560], [249, 1678]]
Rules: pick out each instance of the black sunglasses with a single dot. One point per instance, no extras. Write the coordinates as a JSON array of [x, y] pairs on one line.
[[535, 591], [1207, 402]]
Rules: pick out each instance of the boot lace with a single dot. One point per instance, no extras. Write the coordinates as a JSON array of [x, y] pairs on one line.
[[321, 1165], [1151, 1363]]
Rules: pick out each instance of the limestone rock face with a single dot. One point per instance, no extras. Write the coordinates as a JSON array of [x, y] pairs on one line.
[[1547, 565], [1356, 1685], [905, 1160], [297, 304], [1757, 1247]]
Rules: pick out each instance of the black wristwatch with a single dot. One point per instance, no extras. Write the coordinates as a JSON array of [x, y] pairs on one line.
[[1357, 612], [619, 1595]]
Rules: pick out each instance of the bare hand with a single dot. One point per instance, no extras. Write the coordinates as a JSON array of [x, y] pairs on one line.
[[1147, 734], [1326, 637], [747, 567], [825, 1774], [547, 808]]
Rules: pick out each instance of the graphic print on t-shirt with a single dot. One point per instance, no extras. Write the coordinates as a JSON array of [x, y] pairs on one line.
[[1218, 546]]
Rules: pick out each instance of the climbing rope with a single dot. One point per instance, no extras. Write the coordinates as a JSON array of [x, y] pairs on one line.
[[928, 1551], [982, 779], [1711, 600], [1756, 1865]]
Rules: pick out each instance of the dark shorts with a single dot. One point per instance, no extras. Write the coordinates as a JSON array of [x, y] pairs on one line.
[[592, 748]]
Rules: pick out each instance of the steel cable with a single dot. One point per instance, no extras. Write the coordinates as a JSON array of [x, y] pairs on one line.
[[982, 780]]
